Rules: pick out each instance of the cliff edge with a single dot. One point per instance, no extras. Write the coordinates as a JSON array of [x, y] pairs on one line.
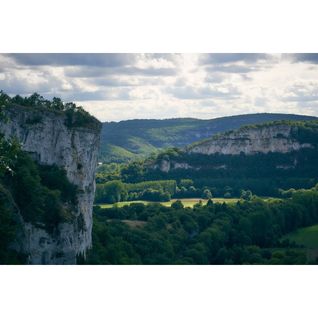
[[52, 139]]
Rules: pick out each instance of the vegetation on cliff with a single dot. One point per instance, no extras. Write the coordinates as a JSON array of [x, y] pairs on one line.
[[75, 116], [39, 194]]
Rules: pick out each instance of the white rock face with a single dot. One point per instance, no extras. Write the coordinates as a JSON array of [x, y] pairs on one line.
[[46, 137], [251, 141]]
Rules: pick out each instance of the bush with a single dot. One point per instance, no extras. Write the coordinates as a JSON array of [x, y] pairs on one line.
[[177, 205]]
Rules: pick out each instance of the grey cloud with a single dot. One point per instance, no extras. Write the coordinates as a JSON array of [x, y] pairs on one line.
[[118, 82], [303, 57], [215, 77], [14, 85], [110, 82], [81, 96], [301, 93], [301, 98], [64, 59], [165, 56], [100, 72], [231, 68], [222, 58]]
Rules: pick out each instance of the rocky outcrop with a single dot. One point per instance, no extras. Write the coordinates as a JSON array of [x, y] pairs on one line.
[[251, 140], [45, 135]]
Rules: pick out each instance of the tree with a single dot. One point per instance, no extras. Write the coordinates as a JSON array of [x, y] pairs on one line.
[[111, 192], [246, 195], [4, 99], [206, 194], [34, 100], [177, 205], [57, 104], [186, 183], [209, 203], [133, 172], [8, 153]]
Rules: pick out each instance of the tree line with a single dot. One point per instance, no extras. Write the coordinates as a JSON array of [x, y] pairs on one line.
[[76, 116]]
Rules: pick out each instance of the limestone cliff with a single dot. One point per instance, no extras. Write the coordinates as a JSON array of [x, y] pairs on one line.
[[46, 136], [252, 140], [282, 137]]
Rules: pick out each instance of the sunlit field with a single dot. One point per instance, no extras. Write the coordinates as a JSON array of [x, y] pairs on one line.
[[188, 203]]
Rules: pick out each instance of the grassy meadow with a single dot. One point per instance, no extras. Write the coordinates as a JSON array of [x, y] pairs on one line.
[[308, 238], [188, 203]]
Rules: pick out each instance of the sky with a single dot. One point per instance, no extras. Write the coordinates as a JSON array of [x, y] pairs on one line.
[[116, 87]]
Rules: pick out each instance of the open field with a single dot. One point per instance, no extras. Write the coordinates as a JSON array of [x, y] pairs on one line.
[[308, 237], [186, 202]]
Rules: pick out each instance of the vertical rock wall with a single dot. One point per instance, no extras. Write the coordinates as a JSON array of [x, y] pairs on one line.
[[45, 136]]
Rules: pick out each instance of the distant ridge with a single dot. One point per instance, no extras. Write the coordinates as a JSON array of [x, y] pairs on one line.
[[131, 139]]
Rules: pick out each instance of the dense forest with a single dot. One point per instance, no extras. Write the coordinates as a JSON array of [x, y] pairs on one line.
[[248, 232]]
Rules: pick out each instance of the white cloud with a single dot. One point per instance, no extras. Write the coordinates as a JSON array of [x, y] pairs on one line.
[[117, 87]]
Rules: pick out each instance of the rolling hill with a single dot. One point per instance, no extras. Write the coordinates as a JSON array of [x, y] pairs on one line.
[[132, 139]]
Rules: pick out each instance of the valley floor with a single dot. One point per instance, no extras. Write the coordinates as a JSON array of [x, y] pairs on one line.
[[187, 203]]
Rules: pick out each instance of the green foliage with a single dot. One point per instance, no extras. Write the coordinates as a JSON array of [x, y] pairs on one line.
[[38, 194], [164, 185], [263, 174], [41, 200], [177, 205], [248, 232], [76, 116], [9, 227], [43, 194], [246, 195], [186, 183], [111, 192], [54, 177], [307, 237], [133, 172], [116, 191], [286, 193], [155, 195], [9, 150]]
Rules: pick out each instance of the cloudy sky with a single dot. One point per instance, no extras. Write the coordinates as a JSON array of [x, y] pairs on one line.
[[116, 87]]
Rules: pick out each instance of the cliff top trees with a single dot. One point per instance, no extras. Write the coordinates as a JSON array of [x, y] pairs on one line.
[[76, 116]]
